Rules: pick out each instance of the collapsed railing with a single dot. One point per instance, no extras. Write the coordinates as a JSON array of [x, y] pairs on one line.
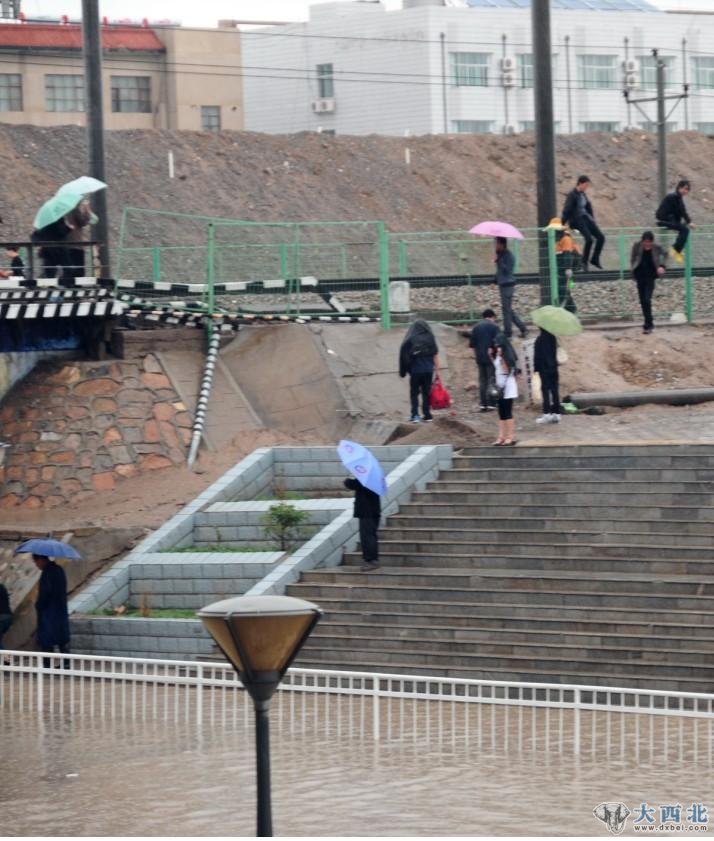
[[371, 705]]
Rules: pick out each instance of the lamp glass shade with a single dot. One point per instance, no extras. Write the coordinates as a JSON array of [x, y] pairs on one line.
[[269, 641], [265, 630], [218, 628]]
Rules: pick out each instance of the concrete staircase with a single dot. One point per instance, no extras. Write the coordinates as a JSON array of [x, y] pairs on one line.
[[587, 564]]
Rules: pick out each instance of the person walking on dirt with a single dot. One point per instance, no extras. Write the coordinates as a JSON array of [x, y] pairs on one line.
[[579, 214], [419, 357], [672, 214], [368, 510], [505, 280], [481, 341], [51, 606], [545, 364], [647, 261]]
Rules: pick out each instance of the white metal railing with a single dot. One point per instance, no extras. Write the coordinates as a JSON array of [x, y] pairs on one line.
[[374, 705]]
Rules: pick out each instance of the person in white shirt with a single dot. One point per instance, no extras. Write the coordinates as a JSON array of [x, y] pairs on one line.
[[504, 363]]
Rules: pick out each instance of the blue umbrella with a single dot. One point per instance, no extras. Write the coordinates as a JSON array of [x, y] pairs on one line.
[[48, 547], [363, 466]]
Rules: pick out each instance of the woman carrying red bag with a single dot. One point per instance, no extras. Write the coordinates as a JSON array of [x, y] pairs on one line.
[[419, 357]]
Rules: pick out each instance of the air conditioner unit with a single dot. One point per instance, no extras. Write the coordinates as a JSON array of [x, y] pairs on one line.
[[631, 81], [508, 64], [508, 80], [629, 66], [323, 106]]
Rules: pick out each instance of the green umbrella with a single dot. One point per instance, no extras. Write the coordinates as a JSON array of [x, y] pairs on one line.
[[55, 208], [557, 321]]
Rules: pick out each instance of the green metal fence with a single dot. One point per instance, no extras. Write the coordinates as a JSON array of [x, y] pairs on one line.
[[332, 267], [301, 267]]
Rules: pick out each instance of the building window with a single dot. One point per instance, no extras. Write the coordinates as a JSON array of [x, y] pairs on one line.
[[703, 72], [648, 71], [597, 71], [10, 92], [470, 69], [64, 93], [472, 126], [705, 128], [131, 94], [211, 117], [525, 70], [650, 125], [600, 126], [524, 63], [529, 125], [325, 81]]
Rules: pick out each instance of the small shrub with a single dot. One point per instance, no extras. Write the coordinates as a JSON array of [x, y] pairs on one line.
[[284, 524]]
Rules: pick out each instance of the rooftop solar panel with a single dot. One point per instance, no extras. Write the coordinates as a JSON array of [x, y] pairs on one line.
[[572, 5]]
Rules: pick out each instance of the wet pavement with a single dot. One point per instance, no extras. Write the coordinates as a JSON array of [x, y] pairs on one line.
[[508, 771]]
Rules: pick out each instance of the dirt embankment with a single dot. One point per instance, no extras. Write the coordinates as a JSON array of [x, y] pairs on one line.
[[451, 182]]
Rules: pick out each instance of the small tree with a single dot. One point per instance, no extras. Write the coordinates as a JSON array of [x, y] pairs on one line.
[[284, 523]]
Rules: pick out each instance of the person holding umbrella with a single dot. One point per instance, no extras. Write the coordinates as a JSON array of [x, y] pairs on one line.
[[51, 604], [368, 484], [545, 364], [553, 322], [505, 280]]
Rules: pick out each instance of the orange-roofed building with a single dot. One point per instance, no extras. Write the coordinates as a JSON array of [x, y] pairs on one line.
[[153, 77]]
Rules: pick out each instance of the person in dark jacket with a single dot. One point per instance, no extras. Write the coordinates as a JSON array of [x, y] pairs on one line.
[[5, 612], [51, 606], [481, 341], [578, 213], [368, 510], [647, 261], [419, 357], [505, 280], [17, 267], [545, 364], [672, 214], [55, 257]]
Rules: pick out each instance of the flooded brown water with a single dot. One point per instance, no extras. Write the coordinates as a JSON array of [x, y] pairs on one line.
[[496, 771]]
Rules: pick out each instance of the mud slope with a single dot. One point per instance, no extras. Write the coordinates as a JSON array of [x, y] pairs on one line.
[[452, 181]]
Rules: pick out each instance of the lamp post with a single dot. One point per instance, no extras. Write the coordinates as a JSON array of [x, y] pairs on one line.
[[261, 635]]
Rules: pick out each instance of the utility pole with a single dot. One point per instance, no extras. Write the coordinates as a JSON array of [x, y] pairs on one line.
[[661, 131], [92, 49], [662, 116], [544, 136]]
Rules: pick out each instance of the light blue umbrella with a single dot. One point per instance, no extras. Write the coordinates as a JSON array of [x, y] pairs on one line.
[[49, 548], [82, 185], [363, 465], [55, 208]]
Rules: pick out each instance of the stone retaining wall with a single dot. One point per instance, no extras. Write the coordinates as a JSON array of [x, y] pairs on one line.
[[79, 428]]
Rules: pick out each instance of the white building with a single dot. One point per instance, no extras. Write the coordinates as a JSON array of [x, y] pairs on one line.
[[438, 66]]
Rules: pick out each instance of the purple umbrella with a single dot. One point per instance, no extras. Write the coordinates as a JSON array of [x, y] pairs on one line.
[[496, 229]]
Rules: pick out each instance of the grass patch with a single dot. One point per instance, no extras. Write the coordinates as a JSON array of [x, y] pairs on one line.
[[150, 613]]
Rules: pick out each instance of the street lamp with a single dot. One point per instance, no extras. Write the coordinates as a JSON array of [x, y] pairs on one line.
[[261, 635]]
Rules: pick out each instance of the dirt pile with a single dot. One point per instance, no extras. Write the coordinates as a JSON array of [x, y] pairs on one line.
[[451, 182]]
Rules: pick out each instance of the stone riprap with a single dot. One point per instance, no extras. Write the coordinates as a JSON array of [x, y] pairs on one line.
[[82, 427], [154, 576]]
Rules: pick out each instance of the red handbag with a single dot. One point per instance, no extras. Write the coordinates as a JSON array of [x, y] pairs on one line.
[[439, 397]]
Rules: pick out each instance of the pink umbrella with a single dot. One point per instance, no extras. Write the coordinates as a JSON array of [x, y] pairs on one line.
[[496, 229]]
